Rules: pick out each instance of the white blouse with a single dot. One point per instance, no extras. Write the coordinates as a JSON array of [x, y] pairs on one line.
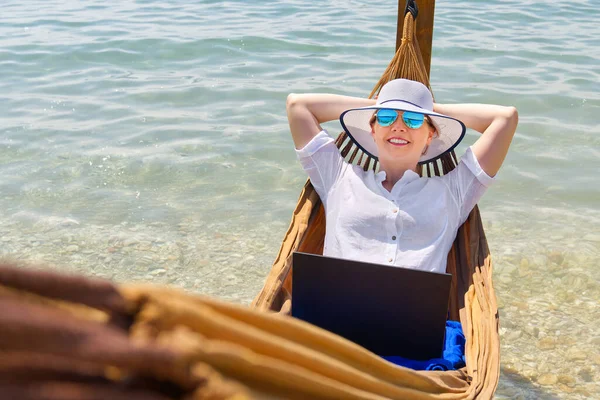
[[413, 226]]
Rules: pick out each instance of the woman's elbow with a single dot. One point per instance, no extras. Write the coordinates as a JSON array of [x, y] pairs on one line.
[[293, 101], [512, 114], [509, 117]]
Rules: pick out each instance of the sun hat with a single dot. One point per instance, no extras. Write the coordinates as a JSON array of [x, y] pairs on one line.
[[404, 95]]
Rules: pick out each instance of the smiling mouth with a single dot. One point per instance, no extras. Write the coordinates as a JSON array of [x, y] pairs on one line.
[[398, 141]]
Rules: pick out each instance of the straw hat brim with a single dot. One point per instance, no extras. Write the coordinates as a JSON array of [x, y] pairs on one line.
[[356, 124]]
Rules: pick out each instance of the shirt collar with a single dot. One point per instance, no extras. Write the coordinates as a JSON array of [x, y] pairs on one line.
[[409, 176]]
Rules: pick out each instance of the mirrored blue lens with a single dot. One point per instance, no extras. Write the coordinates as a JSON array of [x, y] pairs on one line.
[[386, 117], [412, 119]]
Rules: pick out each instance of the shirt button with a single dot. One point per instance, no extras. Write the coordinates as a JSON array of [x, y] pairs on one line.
[[390, 260], [395, 210], [393, 237]]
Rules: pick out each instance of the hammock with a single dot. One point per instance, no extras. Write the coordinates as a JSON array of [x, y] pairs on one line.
[[472, 299]]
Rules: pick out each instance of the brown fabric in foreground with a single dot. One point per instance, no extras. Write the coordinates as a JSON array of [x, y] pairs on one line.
[[94, 293], [278, 356], [49, 390], [51, 349], [38, 329], [192, 347]]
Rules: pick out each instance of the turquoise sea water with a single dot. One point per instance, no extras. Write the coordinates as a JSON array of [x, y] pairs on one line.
[[147, 141]]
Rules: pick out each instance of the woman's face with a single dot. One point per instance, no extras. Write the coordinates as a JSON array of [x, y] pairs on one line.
[[399, 141]]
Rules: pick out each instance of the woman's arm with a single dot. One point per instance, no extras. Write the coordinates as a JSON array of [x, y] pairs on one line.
[[307, 111], [497, 124]]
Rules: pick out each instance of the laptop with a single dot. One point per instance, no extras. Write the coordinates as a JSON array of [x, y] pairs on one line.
[[389, 310]]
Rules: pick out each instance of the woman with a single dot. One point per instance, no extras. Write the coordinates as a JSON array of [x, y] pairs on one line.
[[394, 216]]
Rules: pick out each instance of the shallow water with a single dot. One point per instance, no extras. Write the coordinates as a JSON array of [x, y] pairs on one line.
[[147, 141]]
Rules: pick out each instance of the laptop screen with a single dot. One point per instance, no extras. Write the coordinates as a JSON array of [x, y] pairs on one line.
[[389, 310]]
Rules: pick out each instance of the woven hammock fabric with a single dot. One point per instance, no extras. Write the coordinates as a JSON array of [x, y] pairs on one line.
[[160, 343]]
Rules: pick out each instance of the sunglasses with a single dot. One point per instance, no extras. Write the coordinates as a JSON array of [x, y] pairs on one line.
[[413, 120]]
